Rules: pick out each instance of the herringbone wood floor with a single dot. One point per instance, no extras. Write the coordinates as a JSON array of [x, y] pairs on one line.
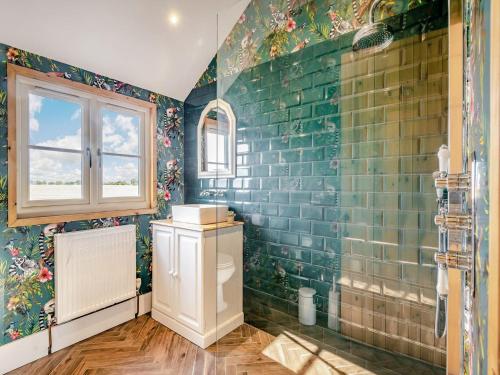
[[144, 346]]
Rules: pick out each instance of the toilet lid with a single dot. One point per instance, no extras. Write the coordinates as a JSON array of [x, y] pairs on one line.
[[224, 260]]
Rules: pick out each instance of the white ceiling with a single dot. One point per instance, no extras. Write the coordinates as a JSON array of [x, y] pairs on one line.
[[128, 40]]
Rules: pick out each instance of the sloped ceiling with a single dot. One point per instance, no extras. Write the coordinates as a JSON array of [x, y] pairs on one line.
[[128, 40]]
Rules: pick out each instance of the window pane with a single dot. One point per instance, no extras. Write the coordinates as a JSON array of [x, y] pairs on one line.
[[120, 132], [54, 122], [120, 176], [55, 175]]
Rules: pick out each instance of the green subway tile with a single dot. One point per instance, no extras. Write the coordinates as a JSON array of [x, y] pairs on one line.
[[251, 183], [301, 169], [300, 255], [289, 183], [325, 109], [300, 226], [312, 183], [262, 145], [289, 211], [242, 196], [260, 196], [313, 126], [300, 197], [280, 143], [335, 183], [260, 171], [269, 131], [311, 242], [312, 95], [269, 209], [279, 170], [270, 183], [326, 77], [278, 116], [325, 139], [324, 229], [301, 83], [278, 197], [289, 156], [269, 105], [312, 212], [301, 141], [315, 154], [301, 112], [332, 92], [289, 238], [280, 223], [271, 157], [325, 168], [333, 245], [324, 198], [290, 100]]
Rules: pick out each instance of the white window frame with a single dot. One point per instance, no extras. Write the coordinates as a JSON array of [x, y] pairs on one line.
[[93, 100]]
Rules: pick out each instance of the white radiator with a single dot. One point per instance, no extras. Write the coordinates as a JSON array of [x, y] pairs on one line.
[[94, 269]]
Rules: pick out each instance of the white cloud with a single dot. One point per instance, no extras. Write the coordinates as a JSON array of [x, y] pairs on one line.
[[73, 142], [35, 107], [51, 166], [121, 135]]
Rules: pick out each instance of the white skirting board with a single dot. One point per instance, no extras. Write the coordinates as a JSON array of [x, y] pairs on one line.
[[23, 351]]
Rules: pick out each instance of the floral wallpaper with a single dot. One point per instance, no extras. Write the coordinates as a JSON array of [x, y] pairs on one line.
[[27, 253], [477, 109], [272, 28]]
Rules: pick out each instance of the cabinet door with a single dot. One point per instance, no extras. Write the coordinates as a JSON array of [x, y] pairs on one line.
[[188, 277], [164, 291]]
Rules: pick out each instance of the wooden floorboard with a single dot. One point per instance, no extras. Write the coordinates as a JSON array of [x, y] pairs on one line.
[[144, 346]]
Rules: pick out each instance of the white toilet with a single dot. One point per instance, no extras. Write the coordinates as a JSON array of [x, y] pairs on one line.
[[225, 269]]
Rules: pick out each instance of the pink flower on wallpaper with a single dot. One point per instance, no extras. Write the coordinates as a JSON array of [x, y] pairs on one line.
[[14, 251], [291, 25], [242, 18], [14, 335], [167, 195], [167, 142], [44, 275]]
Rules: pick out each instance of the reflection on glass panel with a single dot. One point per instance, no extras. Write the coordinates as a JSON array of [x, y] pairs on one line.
[[54, 122], [120, 176], [120, 132], [55, 175]]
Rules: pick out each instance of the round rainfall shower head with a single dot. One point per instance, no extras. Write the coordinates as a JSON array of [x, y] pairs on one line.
[[372, 38]]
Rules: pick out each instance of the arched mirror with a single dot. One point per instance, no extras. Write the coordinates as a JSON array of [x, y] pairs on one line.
[[216, 140]]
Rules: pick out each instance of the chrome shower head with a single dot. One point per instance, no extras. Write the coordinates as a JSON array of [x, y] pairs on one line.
[[374, 37]]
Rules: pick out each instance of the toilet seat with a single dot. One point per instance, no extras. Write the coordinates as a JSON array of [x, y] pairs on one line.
[[224, 261]]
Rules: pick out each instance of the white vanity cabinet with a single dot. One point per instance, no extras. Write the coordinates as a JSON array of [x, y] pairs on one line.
[[185, 279]]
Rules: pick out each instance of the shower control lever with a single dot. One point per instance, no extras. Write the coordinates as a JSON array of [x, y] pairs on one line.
[[454, 259], [452, 182], [453, 222]]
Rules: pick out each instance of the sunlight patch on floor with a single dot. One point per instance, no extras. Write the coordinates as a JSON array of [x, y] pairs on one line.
[[304, 357]]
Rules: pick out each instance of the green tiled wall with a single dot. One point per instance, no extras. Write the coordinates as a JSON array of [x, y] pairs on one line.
[[334, 158]]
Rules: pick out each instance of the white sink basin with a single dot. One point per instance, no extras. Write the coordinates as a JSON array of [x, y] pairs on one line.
[[199, 213]]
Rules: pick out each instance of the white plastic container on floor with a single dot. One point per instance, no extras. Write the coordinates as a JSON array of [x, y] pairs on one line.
[[307, 307]]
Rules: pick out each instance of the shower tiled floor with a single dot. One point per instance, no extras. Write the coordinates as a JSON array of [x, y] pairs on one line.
[[143, 346], [294, 343]]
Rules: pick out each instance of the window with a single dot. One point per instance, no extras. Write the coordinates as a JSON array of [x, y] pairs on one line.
[[216, 139], [80, 152]]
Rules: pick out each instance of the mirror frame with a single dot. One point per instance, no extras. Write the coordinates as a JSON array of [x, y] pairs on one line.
[[226, 107]]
